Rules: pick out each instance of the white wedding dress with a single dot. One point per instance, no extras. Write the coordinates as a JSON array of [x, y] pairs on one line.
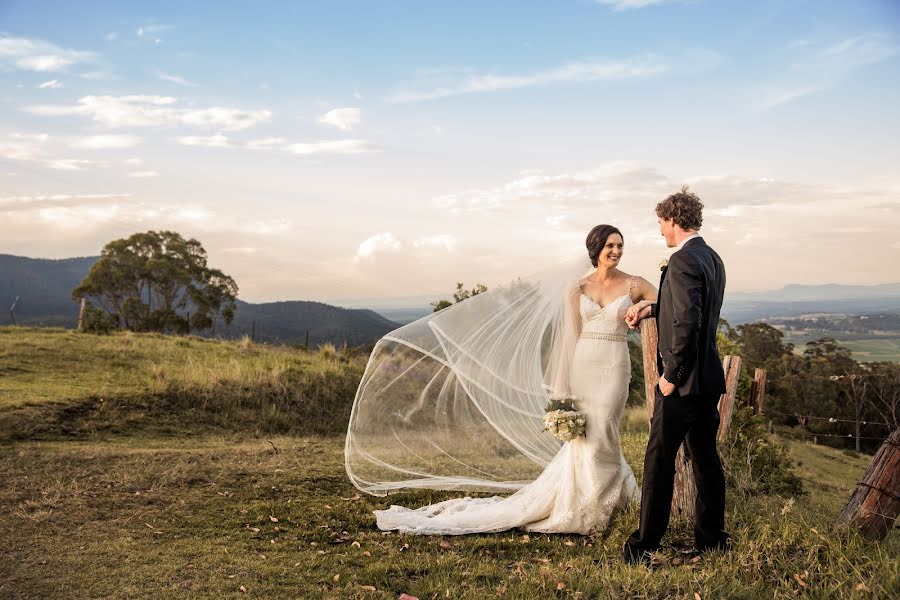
[[586, 481]]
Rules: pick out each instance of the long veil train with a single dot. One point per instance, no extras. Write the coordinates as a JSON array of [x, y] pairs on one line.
[[454, 400]]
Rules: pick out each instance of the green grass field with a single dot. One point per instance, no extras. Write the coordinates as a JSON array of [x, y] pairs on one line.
[[887, 349], [153, 493]]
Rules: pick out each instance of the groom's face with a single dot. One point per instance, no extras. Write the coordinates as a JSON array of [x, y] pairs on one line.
[[667, 230]]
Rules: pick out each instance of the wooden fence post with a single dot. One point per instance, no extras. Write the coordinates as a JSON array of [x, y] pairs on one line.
[[12, 310], [685, 495], [649, 343], [875, 503], [758, 390], [81, 311], [685, 489]]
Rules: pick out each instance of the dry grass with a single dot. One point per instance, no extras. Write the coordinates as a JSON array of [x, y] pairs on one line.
[[213, 505]]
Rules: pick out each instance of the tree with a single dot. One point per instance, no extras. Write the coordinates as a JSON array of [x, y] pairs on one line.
[[158, 281], [761, 346], [458, 296], [884, 384]]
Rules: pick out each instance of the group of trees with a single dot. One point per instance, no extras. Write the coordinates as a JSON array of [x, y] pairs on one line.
[[155, 281], [822, 389], [459, 295]]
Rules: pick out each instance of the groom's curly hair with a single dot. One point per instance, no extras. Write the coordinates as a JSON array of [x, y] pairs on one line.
[[684, 208]]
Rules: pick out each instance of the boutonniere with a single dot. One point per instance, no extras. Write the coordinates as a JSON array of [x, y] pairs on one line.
[[664, 264]]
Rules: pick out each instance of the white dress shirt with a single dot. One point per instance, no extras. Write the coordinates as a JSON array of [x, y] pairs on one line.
[[685, 241]]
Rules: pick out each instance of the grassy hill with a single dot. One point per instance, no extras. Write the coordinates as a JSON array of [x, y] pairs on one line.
[[44, 288], [152, 467]]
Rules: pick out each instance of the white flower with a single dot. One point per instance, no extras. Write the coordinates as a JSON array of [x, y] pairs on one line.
[[663, 264]]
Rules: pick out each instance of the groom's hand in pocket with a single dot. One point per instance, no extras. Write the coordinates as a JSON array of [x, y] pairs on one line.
[[666, 388]]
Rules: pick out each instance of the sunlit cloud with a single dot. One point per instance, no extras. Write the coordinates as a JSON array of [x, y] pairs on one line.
[[377, 243], [100, 142], [175, 79], [623, 5], [817, 67], [53, 84], [443, 83], [341, 118], [326, 147], [333, 147], [32, 54], [152, 111], [212, 141]]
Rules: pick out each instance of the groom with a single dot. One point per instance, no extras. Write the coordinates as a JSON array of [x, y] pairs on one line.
[[686, 405]]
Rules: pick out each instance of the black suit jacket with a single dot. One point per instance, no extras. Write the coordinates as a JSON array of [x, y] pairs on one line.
[[691, 290]]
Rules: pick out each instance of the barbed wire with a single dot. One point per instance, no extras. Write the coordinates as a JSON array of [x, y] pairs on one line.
[[829, 419], [849, 436], [828, 377]]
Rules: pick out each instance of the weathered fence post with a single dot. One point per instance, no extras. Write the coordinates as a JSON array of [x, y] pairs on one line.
[[12, 310], [758, 390], [649, 342], [685, 496], [81, 314], [875, 503], [685, 489]]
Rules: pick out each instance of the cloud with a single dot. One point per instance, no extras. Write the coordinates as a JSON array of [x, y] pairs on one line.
[[377, 243], [31, 54], [142, 174], [770, 232], [820, 67], [152, 111], [333, 147], [12, 204], [327, 147], [34, 148], [454, 82], [342, 118], [107, 215], [100, 142], [175, 79], [442, 241], [212, 141], [598, 187], [622, 5], [152, 32], [51, 85]]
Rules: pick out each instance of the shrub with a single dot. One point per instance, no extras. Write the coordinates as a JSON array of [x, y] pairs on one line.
[[98, 321], [754, 461]]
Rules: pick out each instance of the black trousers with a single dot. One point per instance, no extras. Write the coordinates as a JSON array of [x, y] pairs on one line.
[[695, 421]]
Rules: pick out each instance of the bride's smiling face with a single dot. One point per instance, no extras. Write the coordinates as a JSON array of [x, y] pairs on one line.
[[612, 251]]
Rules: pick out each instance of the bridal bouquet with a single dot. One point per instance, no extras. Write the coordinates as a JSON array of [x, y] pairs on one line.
[[563, 420]]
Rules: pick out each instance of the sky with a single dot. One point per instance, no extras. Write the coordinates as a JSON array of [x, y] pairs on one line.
[[339, 151]]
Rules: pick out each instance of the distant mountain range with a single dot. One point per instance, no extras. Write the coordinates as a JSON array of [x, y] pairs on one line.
[[794, 300], [44, 288]]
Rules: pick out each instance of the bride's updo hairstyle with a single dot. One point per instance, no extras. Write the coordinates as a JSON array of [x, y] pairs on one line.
[[596, 239]]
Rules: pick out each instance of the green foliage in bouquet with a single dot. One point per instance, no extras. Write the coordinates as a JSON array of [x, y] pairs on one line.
[[566, 403]]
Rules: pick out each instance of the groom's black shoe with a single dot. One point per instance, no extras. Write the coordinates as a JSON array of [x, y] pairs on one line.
[[633, 556]]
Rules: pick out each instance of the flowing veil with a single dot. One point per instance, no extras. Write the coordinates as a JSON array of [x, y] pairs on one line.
[[454, 400]]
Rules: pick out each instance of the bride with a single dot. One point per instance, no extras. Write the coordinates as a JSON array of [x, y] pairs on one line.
[[455, 401]]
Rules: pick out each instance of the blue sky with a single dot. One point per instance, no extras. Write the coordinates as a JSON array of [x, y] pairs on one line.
[[332, 150]]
